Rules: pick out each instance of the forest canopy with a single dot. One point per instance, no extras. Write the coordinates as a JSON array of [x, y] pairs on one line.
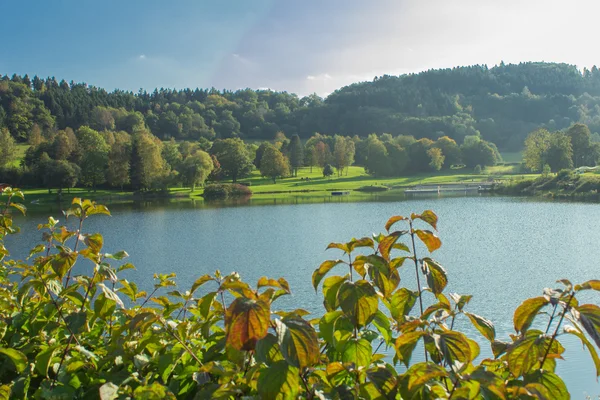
[[502, 104]]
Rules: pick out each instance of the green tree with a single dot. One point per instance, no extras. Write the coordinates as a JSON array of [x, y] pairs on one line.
[[377, 163], [259, 153], [580, 141], [537, 145], [296, 152], [118, 174], [171, 154], [60, 174], [148, 168], [196, 168], [273, 164], [398, 159], [450, 150], [560, 153], [419, 156], [95, 156], [233, 157], [479, 152], [8, 148], [327, 170]]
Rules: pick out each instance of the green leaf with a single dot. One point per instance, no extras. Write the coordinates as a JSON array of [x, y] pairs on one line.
[[201, 281], [405, 345], [246, 322], [527, 352], [584, 340], [589, 316], [592, 284], [484, 326], [393, 220], [18, 359], [19, 207], [76, 321], [280, 283], [103, 306], [384, 277], [323, 269], [455, 347], [357, 351], [429, 239], [437, 279], [298, 341], [341, 246], [62, 262], [359, 301], [363, 242], [382, 323], [267, 350], [331, 286], [427, 216], [421, 373], [401, 304], [279, 381], [119, 255], [384, 380], [43, 360], [111, 294], [94, 242], [326, 325], [557, 390], [527, 311]]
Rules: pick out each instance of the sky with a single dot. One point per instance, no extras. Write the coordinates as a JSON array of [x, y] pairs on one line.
[[299, 46]]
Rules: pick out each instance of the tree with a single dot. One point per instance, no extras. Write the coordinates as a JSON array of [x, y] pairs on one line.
[[196, 168], [322, 154], [436, 157], [479, 152], [95, 157], [35, 135], [118, 174], [8, 148], [62, 146], [273, 164], [450, 150], [343, 153], [377, 163], [327, 170], [259, 153], [296, 152], [419, 156], [148, 168], [560, 153], [537, 145], [398, 159], [580, 141], [233, 157], [60, 174], [171, 154]]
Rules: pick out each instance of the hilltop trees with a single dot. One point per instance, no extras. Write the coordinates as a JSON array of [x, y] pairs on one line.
[[343, 153]]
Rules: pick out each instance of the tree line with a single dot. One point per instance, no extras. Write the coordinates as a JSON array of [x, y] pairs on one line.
[[558, 150], [500, 104]]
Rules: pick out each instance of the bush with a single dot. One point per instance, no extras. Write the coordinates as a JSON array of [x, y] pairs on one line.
[[66, 336], [477, 170], [216, 191]]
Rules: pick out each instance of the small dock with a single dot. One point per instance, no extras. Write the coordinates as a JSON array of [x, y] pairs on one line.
[[451, 188]]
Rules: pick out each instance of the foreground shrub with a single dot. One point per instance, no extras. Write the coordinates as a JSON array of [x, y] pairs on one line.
[[225, 190], [94, 335]]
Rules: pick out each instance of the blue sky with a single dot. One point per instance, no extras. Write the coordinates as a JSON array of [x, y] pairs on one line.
[[299, 46]]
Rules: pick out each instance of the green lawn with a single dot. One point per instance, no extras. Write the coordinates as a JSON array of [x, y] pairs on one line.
[[318, 186], [20, 154]]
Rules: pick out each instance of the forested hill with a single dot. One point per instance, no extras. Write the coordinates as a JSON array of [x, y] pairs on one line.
[[503, 104]]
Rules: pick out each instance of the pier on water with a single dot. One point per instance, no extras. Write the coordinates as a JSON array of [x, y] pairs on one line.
[[472, 187]]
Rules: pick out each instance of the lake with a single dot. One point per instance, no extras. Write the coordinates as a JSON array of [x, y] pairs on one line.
[[501, 250]]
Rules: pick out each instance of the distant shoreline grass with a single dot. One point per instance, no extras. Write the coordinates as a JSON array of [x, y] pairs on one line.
[[306, 187]]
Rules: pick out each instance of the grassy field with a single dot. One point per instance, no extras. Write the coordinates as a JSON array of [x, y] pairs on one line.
[[21, 149], [308, 186]]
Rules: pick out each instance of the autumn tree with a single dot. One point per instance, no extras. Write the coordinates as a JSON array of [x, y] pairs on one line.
[[148, 168], [436, 157], [537, 145]]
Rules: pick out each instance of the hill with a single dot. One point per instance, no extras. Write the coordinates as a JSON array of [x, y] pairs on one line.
[[503, 104]]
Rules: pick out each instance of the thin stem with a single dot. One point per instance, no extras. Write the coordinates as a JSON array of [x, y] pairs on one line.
[[562, 316], [187, 349], [149, 297], [412, 237], [309, 393], [551, 317], [75, 248], [350, 265], [380, 343]]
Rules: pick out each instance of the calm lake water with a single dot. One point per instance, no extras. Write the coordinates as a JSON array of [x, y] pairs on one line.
[[501, 250]]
